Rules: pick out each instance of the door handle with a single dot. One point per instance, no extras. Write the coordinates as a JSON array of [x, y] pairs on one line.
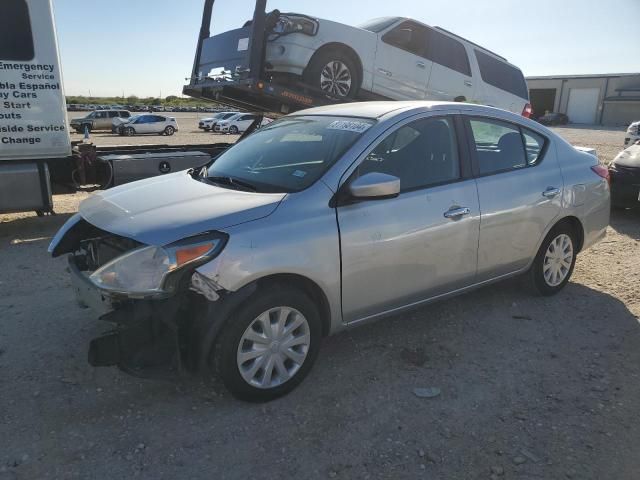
[[468, 83], [551, 192], [385, 72], [457, 212], [421, 65]]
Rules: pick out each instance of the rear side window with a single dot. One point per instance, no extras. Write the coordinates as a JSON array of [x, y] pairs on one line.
[[499, 146], [16, 39], [125, 114], [448, 52], [502, 75], [113, 114], [408, 36]]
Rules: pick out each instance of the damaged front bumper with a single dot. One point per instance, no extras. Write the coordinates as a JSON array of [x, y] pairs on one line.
[[149, 338]]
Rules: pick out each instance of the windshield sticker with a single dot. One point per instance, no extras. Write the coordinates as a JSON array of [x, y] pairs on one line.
[[349, 126], [243, 44], [299, 174]]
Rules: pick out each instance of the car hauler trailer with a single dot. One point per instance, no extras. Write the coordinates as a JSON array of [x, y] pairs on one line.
[[229, 68]]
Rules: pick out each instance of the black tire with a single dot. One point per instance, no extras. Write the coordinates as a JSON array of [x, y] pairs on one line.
[[169, 130], [129, 131], [233, 130], [536, 272], [223, 357], [326, 56]]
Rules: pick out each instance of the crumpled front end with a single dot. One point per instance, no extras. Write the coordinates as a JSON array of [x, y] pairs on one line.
[[152, 333]]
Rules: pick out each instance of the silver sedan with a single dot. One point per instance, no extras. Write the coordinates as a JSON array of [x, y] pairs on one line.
[[324, 220]]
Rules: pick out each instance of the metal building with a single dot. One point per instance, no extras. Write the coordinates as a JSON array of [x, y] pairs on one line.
[[609, 99]]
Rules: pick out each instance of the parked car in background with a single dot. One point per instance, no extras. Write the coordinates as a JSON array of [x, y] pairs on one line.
[[323, 220], [209, 123], [553, 118], [633, 134], [395, 58], [149, 123], [97, 120], [238, 123], [624, 171]]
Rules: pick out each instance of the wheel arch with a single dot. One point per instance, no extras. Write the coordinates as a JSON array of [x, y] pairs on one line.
[[211, 317], [340, 46], [576, 225]]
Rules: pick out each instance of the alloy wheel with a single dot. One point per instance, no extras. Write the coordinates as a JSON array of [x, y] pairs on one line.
[[557, 260], [274, 347], [335, 78]]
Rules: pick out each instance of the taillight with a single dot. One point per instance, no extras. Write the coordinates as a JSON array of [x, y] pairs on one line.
[[602, 171], [527, 111]]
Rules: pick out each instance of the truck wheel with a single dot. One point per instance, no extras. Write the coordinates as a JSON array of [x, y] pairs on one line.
[[554, 263], [268, 346], [169, 130], [335, 72], [233, 130]]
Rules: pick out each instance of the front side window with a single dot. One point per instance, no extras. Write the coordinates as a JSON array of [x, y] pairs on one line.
[[16, 38], [421, 154], [499, 146], [408, 36], [290, 154]]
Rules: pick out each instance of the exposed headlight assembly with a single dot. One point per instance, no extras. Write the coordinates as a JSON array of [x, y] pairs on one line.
[[149, 271], [295, 23]]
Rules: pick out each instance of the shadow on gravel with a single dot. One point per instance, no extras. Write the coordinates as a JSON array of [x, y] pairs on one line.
[[626, 222], [29, 229]]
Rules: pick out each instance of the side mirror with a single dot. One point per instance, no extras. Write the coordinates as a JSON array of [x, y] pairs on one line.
[[375, 185]]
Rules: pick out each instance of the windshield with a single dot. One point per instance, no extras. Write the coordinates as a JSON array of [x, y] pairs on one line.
[[290, 154], [378, 24]]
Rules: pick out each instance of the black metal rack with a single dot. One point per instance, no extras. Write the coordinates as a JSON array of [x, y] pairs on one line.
[[246, 86]]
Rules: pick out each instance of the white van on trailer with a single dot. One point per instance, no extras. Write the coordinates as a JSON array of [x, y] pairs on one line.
[[33, 119]]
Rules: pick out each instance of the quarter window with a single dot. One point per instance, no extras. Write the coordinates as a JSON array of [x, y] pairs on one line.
[[16, 39], [408, 36], [534, 144], [420, 154], [448, 52], [502, 75]]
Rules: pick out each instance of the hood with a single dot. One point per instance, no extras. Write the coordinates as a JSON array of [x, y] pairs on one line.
[[630, 157], [161, 210]]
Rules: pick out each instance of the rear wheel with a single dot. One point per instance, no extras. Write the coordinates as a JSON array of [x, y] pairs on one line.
[[169, 130], [555, 261], [269, 345], [335, 72]]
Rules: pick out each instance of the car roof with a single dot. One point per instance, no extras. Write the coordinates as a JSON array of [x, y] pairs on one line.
[[381, 108]]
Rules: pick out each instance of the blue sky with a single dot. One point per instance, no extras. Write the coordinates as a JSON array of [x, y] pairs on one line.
[[146, 47]]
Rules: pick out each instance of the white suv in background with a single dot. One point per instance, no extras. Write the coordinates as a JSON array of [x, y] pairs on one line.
[[633, 134], [238, 123], [393, 58]]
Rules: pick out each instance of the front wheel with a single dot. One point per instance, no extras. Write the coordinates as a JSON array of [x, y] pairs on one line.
[[269, 345], [169, 130], [335, 72], [554, 263], [233, 130], [129, 132]]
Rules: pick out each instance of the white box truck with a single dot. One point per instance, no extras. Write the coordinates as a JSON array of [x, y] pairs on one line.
[[33, 121]]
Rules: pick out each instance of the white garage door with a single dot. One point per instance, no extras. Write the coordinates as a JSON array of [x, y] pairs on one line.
[[583, 103]]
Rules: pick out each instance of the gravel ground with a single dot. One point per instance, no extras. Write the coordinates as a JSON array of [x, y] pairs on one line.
[[531, 388]]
